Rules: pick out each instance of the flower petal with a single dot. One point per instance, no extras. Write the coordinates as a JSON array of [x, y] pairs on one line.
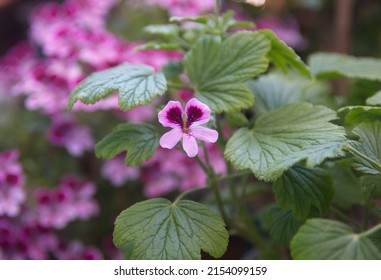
[[171, 138], [197, 112], [190, 145], [171, 115], [205, 134]]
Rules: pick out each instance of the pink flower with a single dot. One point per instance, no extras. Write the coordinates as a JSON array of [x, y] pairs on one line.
[[186, 125], [117, 172], [12, 195], [64, 131], [185, 7]]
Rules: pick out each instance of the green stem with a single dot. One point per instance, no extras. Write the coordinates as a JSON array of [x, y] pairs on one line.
[[371, 230], [206, 155], [352, 150], [213, 183], [217, 10], [202, 165], [191, 191]]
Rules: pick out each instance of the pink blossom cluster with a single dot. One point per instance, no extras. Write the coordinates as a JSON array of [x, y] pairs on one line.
[[65, 132], [27, 229], [74, 43], [23, 238], [70, 200], [185, 8], [12, 194]]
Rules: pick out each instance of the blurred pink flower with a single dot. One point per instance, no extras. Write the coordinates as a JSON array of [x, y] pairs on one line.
[[186, 126], [12, 194], [23, 238], [286, 29], [75, 250], [185, 8], [70, 200], [64, 131], [117, 172]]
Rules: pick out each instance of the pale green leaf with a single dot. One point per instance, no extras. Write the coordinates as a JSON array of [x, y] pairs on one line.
[[368, 149], [139, 140], [217, 70], [320, 239], [199, 19], [283, 56], [137, 84], [357, 114], [374, 100], [165, 30], [285, 136], [333, 65], [160, 229], [301, 188], [275, 90]]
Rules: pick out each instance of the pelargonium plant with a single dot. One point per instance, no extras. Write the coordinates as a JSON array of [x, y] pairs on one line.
[[280, 132], [223, 126]]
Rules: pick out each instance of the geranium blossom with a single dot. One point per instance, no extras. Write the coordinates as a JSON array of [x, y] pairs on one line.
[[186, 125]]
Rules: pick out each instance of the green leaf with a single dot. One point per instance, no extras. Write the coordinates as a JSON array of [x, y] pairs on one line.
[[301, 188], [173, 69], [199, 19], [281, 224], [139, 140], [275, 90], [357, 114], [320, 239], [375, 100], [372, 184], [367, 151], [346, 184], [160, 229], [158, 46], [217, 70], [236, 119], [333, 65], [137, 85], [285, 136], [165, 30], [283, 56]]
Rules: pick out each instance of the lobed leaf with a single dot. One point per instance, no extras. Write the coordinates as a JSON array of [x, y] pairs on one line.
[[333, 65], [137, 84], [320, 239], [368, 156], [283, 56], [301, 188], [281, 224], [355, 115], [217, 70], [160, 229], [274, 90], [139, 140], [285, 136]]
